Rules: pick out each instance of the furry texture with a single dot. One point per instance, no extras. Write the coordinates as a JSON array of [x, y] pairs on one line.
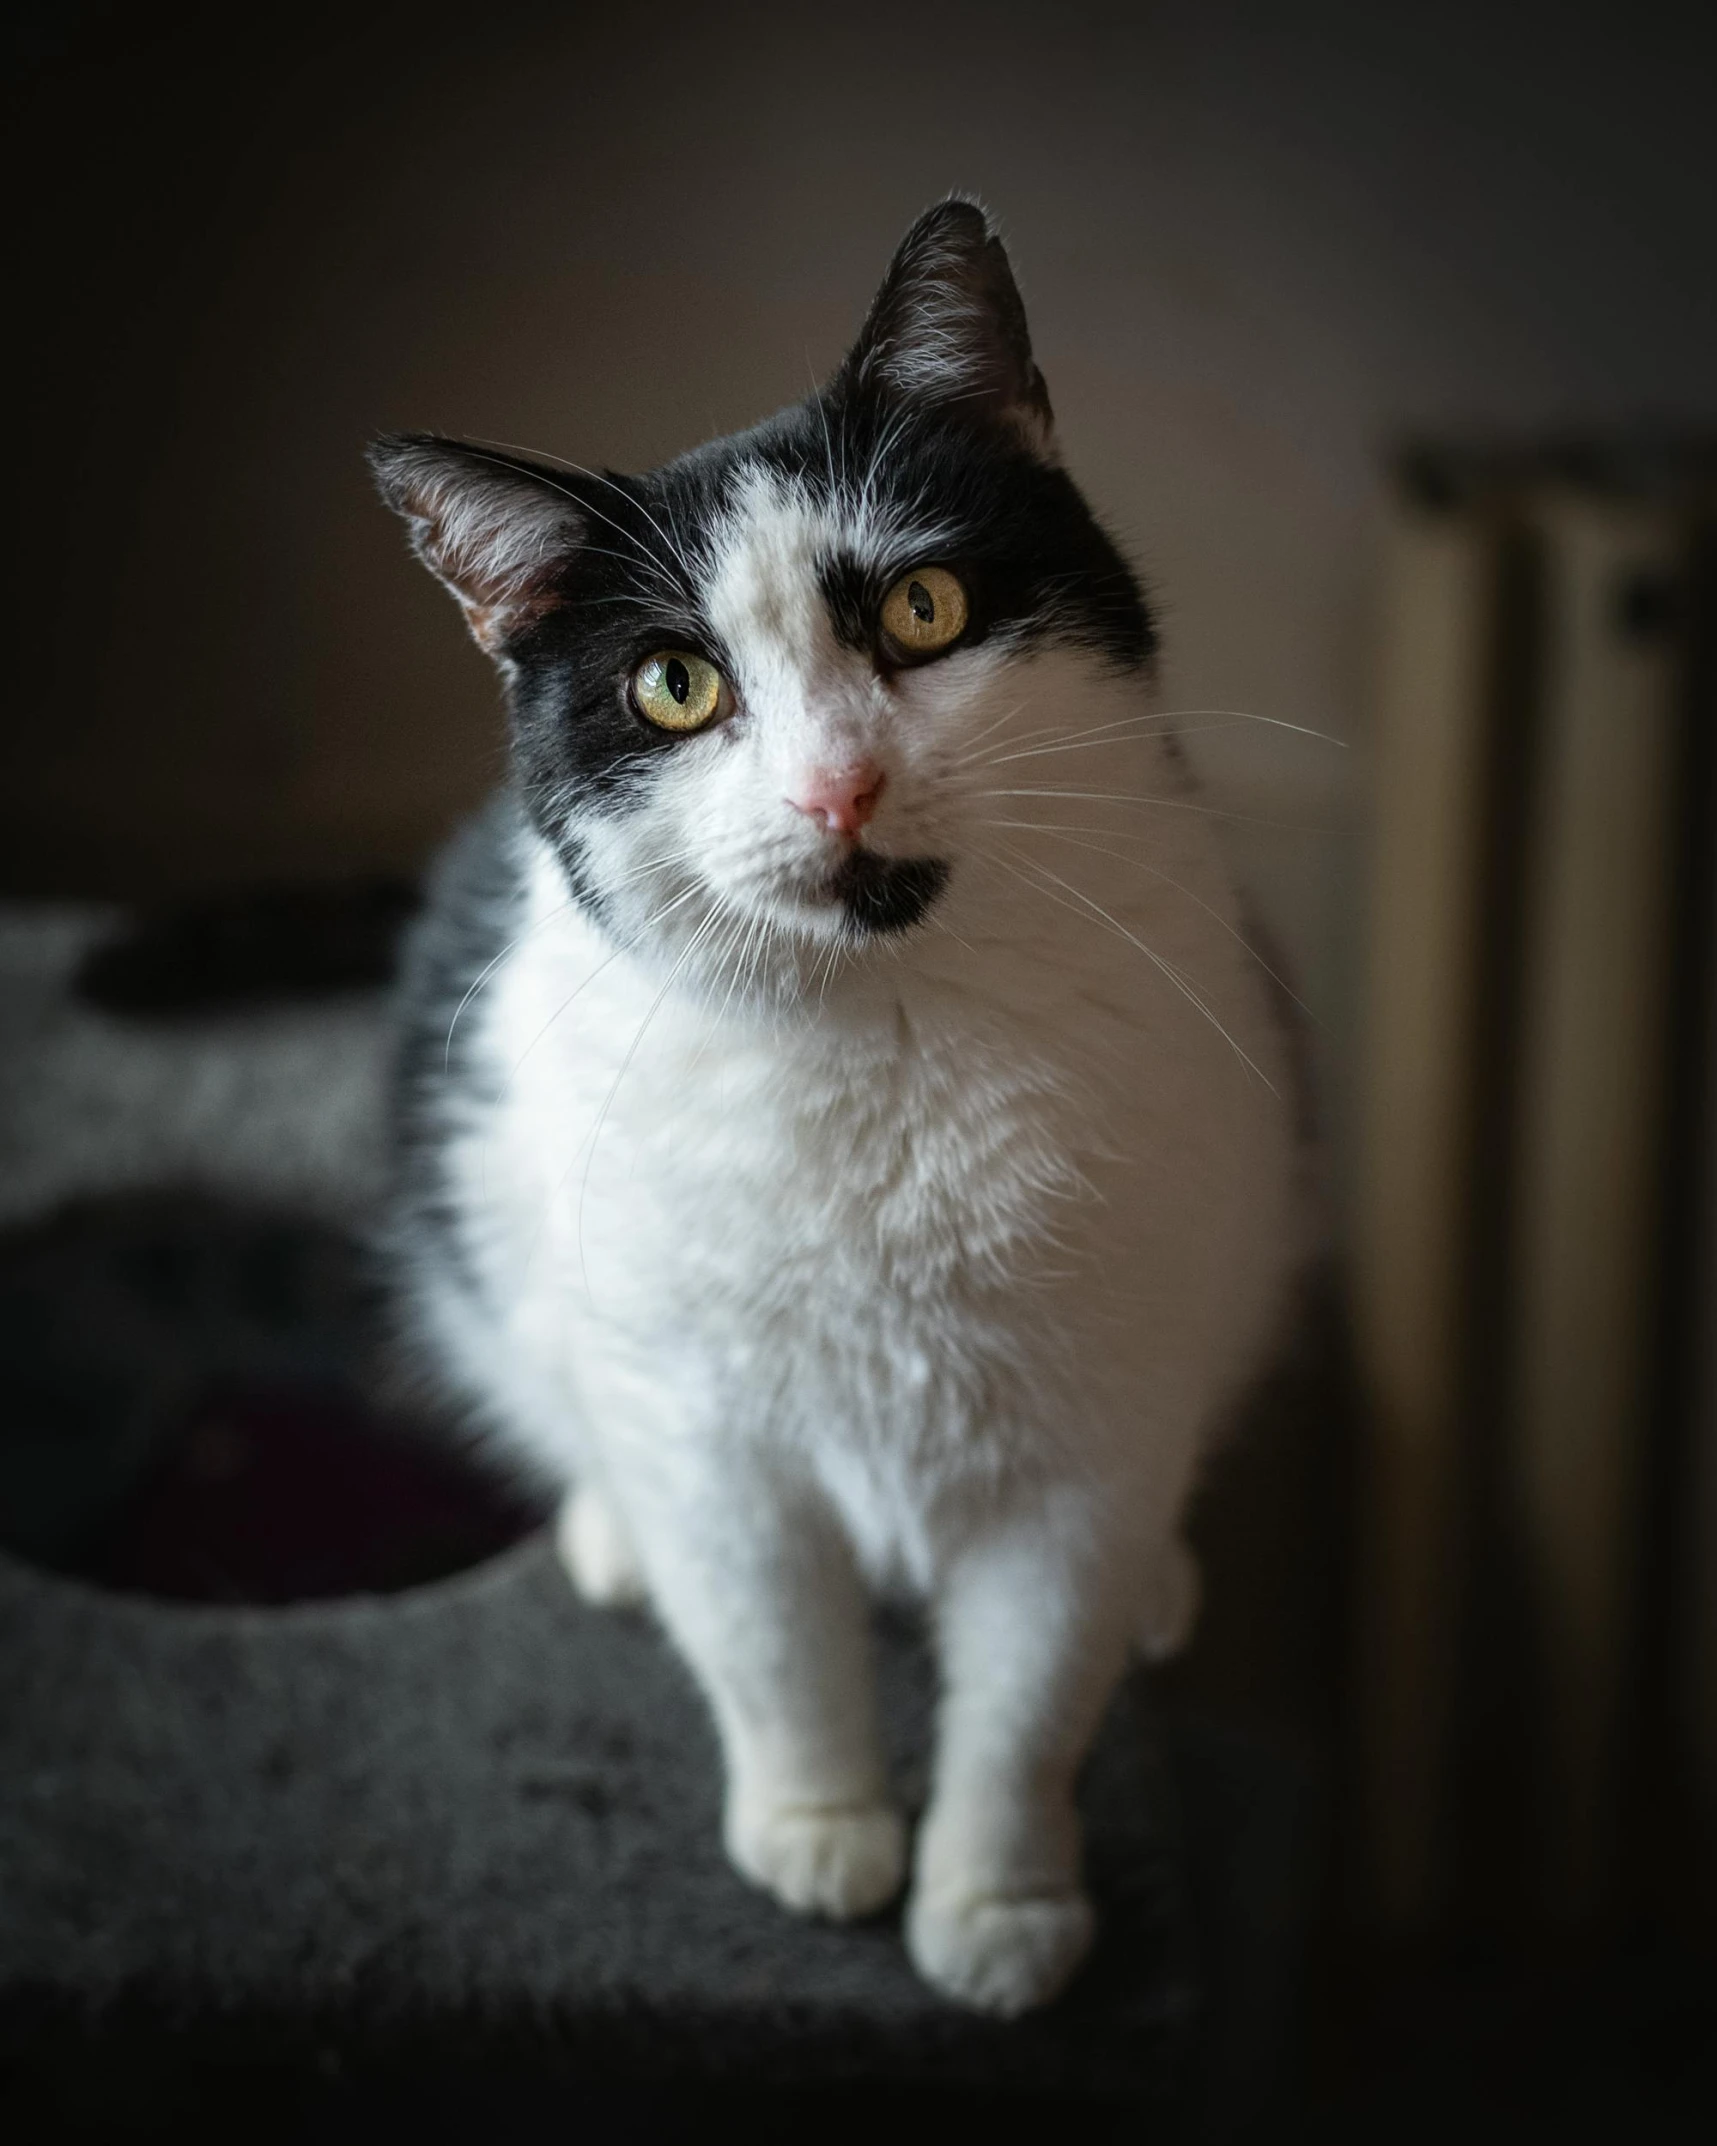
[[467, 1839], [287, 1104], [825, 1212]]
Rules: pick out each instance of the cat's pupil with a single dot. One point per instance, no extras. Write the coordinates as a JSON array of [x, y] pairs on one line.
[[922, 602], [677, 679]]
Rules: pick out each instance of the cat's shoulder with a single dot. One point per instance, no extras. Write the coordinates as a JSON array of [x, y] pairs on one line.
[[474, 895]]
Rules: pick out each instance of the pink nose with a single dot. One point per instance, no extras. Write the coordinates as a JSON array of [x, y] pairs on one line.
[[843, 799]]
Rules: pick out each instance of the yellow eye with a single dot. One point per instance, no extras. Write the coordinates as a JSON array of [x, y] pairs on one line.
[[677, 691], [925, 611]]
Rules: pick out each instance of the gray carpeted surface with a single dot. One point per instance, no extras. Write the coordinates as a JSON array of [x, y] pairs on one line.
[[482, 1810]]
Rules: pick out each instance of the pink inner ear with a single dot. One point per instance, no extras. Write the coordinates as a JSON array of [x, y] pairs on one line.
[[506, 615], [496, 534], [495, 546]]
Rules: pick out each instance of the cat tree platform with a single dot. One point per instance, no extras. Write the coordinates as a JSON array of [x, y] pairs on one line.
[[467, 1837], [449, 1854]]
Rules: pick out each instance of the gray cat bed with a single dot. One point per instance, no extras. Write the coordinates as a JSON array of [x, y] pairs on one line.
[[470, 1833], [457, 1847], [472, 1810]]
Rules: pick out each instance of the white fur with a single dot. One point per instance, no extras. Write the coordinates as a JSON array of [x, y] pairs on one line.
[[927, 1264]]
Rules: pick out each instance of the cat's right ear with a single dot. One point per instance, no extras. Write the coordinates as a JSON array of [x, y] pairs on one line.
[[947, 330], [495, 529]]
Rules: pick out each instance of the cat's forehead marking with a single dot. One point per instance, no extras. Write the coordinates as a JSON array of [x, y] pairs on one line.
[[763, 583], [767, 594]]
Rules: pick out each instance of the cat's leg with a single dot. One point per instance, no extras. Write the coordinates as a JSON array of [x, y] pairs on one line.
[[761, 1593], [596, 1548], [1034, 1620]]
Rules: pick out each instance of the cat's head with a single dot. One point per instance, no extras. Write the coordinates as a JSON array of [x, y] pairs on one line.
[[750, 690]]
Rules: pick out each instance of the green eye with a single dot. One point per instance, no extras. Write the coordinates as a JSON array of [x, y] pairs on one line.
[[678, 691]]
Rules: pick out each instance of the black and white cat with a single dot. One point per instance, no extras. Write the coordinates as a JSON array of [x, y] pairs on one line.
[[845, 1138]]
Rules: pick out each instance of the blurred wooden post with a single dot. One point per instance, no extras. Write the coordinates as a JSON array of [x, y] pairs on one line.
[[1601, 840], [1698, 1594], [1412, 1208]]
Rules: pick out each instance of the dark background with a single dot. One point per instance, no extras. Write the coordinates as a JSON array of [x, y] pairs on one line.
[[1260, 245]]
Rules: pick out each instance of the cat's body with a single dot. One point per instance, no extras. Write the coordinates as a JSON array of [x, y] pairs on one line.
[[835, 1181]]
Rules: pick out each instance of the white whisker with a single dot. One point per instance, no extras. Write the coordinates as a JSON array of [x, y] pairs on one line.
[[643, 551], [488, 969], [969, 752], [678, 901], [1167, 968], [1230, 717], [1071, 837], [1169, 804]]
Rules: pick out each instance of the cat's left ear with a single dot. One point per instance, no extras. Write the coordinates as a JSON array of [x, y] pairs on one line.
[[495, 529], [947, 329]]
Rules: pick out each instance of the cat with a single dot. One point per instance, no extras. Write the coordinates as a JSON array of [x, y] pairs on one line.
[[845, 1142]]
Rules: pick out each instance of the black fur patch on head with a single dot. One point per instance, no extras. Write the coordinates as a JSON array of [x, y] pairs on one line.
[[635, 588], [936, 424], [1037, 566], [888, 894]]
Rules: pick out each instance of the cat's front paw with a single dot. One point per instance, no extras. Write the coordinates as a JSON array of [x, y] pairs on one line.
[[597, 1552], [998, 1954], [840, 1859]]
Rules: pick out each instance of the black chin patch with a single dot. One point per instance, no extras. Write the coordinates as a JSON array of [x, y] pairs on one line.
[[884, 894]]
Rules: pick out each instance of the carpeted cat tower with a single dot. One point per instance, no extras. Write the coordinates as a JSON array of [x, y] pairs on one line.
[[323, 1803]]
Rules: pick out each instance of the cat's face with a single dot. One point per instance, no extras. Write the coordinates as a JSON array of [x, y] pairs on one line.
[[748, 688]]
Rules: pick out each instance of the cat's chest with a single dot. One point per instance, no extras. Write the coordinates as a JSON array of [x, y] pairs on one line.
[[762, 1160]]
